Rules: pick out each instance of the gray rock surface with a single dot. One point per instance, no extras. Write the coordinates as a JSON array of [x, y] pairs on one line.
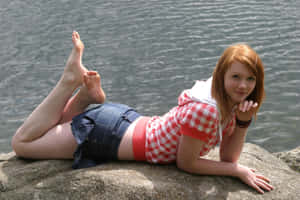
[[292, 158], [55, 180]]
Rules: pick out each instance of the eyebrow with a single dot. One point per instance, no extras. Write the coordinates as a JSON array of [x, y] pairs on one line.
[[251, 75]]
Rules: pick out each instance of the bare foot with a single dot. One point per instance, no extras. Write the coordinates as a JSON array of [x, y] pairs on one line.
[[74, 70], [91, 91]]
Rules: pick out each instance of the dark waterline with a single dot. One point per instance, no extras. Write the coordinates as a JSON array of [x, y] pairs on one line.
[[149, 51]]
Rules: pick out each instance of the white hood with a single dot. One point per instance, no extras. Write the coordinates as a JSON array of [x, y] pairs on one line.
[[201, 92]]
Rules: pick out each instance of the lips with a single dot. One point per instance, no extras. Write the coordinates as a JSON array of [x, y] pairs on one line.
[[241, 93]]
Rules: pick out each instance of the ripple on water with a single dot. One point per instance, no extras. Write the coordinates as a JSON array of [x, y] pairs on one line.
[[160, 47]]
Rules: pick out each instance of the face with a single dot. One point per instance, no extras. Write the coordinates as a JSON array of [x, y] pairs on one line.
[[239, 82]]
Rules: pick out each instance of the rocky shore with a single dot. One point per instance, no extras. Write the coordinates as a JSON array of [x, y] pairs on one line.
[[54, 179], [292, 158]]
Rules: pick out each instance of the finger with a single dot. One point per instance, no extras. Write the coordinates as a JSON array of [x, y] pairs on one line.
[[262, 184], [253, 170], [270, 187], [243, 106], [249, 106], [255, 186], [240, 106], [263, 178], [255, 105], [265, 181]]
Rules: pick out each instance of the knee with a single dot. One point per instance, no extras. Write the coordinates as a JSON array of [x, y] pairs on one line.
[[17, 145]]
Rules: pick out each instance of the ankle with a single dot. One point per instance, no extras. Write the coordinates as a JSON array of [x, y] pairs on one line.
[[70, 80], [82, 99]]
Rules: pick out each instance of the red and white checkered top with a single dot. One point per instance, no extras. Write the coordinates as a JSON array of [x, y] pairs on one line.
[[196, 119]]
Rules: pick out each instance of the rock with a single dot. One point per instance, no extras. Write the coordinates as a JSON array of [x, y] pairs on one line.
[[292, 158], [54, 179]]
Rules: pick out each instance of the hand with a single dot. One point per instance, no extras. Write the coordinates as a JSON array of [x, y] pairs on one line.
[[245, 110], [258, 182]]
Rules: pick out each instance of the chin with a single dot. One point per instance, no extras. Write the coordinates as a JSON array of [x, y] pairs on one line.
[[239, 100], [236, 99]]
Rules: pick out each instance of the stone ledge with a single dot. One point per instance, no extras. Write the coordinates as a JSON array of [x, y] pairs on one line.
[[54, 179], [292, 158]]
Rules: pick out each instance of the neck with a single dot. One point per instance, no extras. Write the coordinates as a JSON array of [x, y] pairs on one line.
[[231, 104]]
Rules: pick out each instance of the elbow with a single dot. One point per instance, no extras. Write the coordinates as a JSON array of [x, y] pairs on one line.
[[180, 165], [229, 158], [185, 166]]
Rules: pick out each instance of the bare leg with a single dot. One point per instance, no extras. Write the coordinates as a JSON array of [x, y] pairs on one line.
[[90, 93], [47, 115], [59, 142]]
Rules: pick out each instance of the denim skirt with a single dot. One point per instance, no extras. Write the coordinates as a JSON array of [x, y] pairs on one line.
[[98, 133]]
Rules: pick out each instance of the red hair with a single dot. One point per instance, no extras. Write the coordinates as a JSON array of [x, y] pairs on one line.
[[247, 56]]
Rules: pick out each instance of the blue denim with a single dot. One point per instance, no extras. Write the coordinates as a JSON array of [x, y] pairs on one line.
[[98, 133]]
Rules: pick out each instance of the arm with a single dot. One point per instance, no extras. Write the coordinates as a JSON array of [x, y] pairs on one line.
[[232, 145], [188, 160]]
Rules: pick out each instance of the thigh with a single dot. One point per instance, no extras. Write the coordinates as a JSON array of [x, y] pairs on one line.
[[57, 143]]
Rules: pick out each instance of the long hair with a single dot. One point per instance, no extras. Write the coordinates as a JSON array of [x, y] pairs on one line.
[[247, 56]]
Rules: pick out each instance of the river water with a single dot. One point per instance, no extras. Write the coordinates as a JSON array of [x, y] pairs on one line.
[[147, 52]]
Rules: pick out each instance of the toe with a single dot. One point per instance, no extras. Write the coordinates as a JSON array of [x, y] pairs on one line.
[[92, 73], [85, 78]]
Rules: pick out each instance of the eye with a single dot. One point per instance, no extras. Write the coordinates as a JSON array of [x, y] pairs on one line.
[[235, 76], [251, 78]]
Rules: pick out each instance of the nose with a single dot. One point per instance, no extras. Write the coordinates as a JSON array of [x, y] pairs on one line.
[[243, 84]]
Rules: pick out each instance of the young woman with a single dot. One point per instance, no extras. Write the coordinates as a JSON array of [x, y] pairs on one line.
[[218, 110]]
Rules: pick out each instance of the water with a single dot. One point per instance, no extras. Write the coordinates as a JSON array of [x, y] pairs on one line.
[[147, 51]]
